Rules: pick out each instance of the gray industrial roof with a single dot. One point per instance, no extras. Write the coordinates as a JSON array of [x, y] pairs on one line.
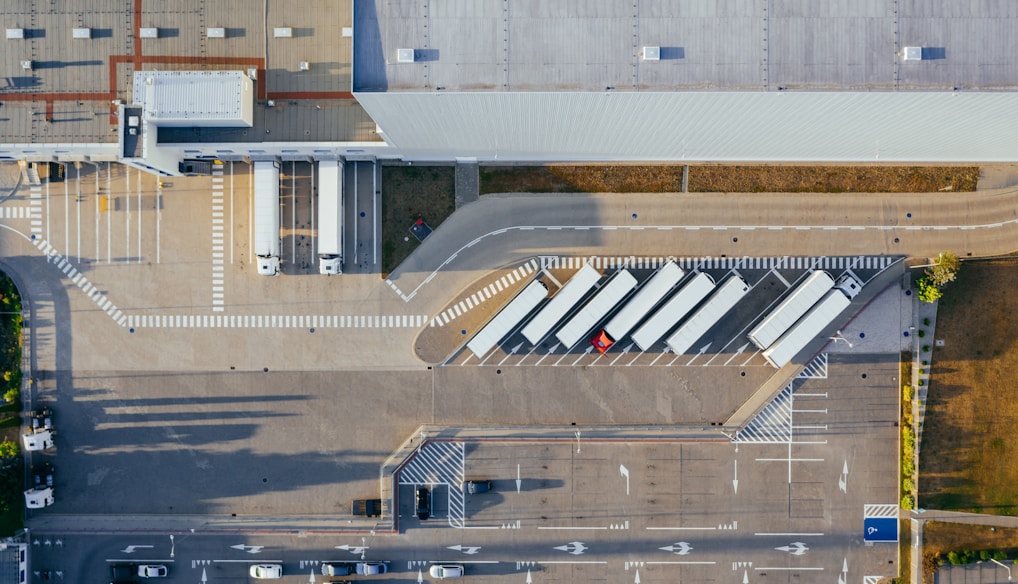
[[66, 96], [734, 45], [700, 126]]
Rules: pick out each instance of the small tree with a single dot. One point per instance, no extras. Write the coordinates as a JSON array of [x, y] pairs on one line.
[[945, 270], [928, 292]]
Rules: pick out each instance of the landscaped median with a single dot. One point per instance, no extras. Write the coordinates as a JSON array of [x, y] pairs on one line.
[[12, 477]]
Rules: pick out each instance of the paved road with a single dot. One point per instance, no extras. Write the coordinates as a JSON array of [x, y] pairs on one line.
[[127, 290], [501, 229], [778, 505]]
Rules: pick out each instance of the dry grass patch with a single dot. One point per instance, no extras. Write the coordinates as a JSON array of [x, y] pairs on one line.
[[581, 179], [409, 192], [831, 179], [941, 538], [726, 179], [968, 456]]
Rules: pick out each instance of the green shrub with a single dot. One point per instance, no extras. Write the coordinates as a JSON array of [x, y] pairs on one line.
[[921, 333], [921, 383], [984, 555], [11, 395], [907, 503], [928, 291], [926, 348], [926, 322], [8, 449], [907, 393], [907, 465], [925, 363], [908, 485], [1000, 555], [955, 559]]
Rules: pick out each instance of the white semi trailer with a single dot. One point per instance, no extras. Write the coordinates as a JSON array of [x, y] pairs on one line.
[[791, 309], [656, 288], [266, 217], [600, 305], [816, 320], [560, 304], [510, 316], [721, 301], [330, 217], [672, 311]]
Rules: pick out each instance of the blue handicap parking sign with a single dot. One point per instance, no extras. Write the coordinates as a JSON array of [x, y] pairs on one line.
[[880, 529]]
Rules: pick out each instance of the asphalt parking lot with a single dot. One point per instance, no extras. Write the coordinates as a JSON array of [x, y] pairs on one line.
[[725, 344]]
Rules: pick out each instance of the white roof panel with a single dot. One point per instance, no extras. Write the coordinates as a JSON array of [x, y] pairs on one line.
[[700, 126], [195, 98], [724, 299]]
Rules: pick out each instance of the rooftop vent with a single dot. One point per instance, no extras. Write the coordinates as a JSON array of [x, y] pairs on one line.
[[149, 33], [26, 65], [404, 55], [305, 66], [15, 33], [81, 33], [216, 33], [282, 32], [348, 31], [913, 53], [651, 53]]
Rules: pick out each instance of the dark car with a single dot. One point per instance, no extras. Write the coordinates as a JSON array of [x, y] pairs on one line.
[[475, 487], [423, 503], [44, 474], [337, 569], [122, 574]]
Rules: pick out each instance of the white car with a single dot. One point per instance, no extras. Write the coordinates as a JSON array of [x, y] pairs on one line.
[[266, 571], [443, 571], [151, 571]]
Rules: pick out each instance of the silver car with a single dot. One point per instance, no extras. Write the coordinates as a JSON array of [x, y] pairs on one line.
[[371, 568], [266, 571], [443, 571], [151, 571]]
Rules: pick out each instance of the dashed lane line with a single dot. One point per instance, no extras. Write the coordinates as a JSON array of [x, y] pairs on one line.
[[88, 288], [314, 321]]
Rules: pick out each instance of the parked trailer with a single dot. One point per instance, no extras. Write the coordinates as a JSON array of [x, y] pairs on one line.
[[640, 305], [791, 309], [510, 316], [816, 320], [560, 304], [266, 217], [607, 298], [721, 301], [672, 311], [330, 217]]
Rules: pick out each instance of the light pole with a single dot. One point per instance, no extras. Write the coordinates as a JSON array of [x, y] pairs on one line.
[[1003, 566], [840, 337]]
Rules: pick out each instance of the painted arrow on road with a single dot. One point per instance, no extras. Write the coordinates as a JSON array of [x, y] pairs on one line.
[[576, 548], [735, 481], [529, 581], [465, 549], [843, 479], [204, 577], [796, 549], [680, 548], [311, 580], [519, 481], [131, 548], [353, 549], [251, 549]]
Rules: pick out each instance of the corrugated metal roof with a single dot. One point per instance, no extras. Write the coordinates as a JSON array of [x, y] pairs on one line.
[[195, 98], [733, 45], [700, 126]]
